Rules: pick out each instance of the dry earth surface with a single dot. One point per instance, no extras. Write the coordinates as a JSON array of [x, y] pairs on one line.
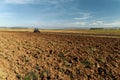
[[57, 56]]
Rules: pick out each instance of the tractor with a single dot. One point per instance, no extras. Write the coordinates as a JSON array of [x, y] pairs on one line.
[[36, 30]]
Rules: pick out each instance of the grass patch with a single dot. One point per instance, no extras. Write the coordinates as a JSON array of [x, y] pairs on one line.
[[30, 76], [99, 60], [45, 74], [61, 55], [86, 63], [61, 70]]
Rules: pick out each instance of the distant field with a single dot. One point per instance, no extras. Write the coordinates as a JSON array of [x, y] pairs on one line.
[[86, 31], [16, 29], [106, 31]]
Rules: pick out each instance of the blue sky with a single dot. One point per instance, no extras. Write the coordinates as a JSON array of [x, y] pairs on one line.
[[60, 13]]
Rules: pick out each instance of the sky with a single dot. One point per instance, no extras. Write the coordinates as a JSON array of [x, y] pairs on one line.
[[60, 13]]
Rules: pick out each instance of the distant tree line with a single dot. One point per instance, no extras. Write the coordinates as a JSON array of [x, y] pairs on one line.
[[96, 28]]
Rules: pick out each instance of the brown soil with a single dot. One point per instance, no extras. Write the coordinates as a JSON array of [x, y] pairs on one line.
[[56, 56]]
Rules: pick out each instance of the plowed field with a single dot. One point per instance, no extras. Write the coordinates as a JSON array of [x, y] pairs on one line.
[[57, 56]]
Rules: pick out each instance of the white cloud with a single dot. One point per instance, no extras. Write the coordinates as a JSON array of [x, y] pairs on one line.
[[80, 23], [104, 24], [6, 15], [117, 23], [84, 16], [33, 1], [97, 23], [17, 1]]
